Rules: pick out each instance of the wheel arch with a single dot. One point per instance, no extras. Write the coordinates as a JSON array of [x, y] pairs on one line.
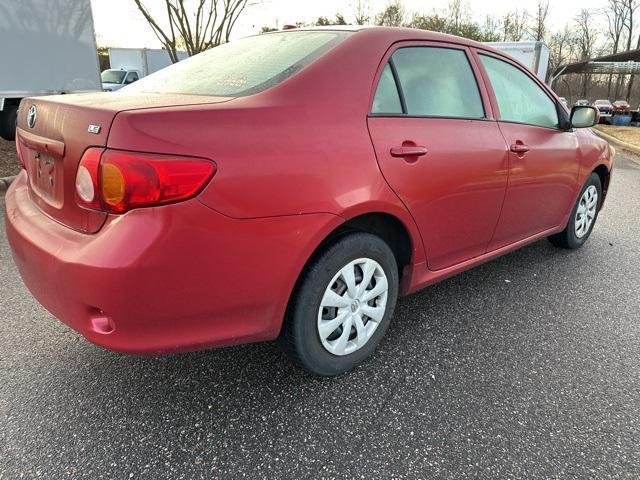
[[605, 175], [384, 225], [407, 249]]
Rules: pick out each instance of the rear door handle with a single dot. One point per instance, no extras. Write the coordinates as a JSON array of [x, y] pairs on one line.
[[408, 151], [519, 148]]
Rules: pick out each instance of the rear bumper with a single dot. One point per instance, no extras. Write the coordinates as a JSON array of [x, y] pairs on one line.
[[172, 278]]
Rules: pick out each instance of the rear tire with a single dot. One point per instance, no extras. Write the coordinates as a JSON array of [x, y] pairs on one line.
[[583, 216], [8, 122], [335, 320]]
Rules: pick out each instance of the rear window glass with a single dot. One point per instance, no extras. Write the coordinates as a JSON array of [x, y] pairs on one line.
[[242, 67]]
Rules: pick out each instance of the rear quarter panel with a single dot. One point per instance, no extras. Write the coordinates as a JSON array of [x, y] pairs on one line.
[[299, 148]]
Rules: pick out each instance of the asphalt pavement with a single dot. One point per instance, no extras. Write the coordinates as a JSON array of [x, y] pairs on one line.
[[526, 367]]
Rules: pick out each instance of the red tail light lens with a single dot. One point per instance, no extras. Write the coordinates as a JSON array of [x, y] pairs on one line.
[[125, 180]]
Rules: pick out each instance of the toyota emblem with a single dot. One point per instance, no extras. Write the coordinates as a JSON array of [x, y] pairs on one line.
[[31, 116]]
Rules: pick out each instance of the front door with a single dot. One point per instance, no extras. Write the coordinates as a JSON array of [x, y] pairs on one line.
[[439, 150], [544, 163]]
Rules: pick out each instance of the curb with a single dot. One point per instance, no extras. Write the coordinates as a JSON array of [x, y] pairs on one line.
[[5, 182], [627, 146]]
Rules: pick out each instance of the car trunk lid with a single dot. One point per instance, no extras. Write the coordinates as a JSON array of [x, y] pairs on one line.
[[54, 132]]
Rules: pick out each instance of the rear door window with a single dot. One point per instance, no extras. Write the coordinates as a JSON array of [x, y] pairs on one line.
[[520, 98], [437, 82], [387, 98]]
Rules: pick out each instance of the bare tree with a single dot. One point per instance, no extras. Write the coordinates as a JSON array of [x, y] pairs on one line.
[[615, 13], [457, 13], [393, 14], [540, 20], [361, 12], [561, 48], [585, 40], [631, 7], [491, 29], [196, 27], [514, 25]]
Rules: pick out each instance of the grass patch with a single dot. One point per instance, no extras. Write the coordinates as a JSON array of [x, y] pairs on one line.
[[624, 134]]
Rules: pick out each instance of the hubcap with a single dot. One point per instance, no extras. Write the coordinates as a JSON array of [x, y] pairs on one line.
[[352, 307], [586, 212]]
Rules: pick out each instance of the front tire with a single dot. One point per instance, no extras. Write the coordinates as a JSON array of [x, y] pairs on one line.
[[342, 305], [583, 216]]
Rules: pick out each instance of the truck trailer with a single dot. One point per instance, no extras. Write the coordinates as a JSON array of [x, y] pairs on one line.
[[46, 47], [534, 55]]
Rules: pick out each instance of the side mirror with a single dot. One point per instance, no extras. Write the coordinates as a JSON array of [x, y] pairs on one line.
[[583, 116]]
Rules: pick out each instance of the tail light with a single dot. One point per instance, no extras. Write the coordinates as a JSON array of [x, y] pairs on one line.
[[117, 180], [87, 179]]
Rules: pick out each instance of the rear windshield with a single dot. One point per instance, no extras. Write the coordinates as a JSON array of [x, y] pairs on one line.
[[242, 67], [112, 76]]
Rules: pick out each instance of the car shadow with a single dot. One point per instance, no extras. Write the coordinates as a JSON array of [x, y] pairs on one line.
[[456, 303], [251, 399]]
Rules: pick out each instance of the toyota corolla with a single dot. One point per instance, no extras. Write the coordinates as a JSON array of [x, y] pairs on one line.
[[292, 185]]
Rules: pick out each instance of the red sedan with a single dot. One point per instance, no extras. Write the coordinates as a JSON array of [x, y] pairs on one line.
[[291, 185], [621, 106]]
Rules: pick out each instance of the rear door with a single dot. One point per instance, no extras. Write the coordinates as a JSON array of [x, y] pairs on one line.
[[439, 148], [544, 162]]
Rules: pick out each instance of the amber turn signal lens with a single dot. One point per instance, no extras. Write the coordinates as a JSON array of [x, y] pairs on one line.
[[113, 186]]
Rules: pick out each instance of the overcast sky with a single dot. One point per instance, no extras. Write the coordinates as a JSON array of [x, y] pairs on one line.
[[119, 24]]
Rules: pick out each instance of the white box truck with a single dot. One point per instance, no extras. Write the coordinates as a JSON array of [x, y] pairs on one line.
[[46, 47], [130, 64], [534, 55]]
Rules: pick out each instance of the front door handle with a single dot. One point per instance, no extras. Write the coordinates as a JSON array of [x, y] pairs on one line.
[[408, 151], [519, 148]]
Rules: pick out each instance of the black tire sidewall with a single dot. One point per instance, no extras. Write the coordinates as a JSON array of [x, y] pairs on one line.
[[303, 315], [8, 122]]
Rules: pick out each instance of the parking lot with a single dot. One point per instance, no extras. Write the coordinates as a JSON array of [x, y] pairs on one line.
[[526, 367]]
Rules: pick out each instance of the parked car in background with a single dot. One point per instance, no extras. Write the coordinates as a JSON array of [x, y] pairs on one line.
[[113, 79], [621, 106], [291, 185], [46, 48], [564, 102], [582, 102], [605, 108]]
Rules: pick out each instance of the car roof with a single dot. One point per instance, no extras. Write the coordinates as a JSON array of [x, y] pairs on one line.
[[395, 34]]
